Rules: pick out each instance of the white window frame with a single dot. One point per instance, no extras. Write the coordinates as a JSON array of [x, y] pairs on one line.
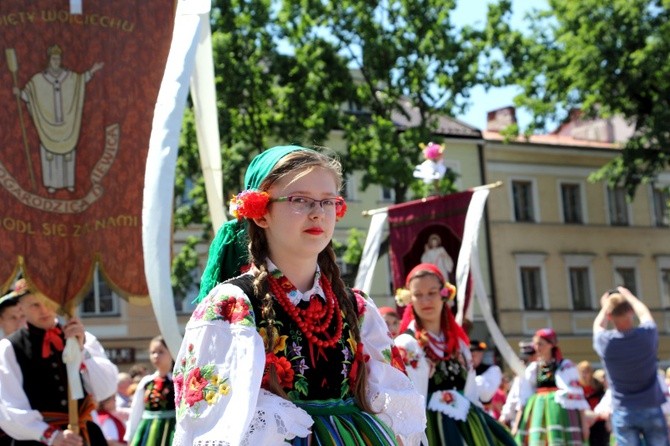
[[652, 199], [187, 303], [534, 195], [351, 187], [626, 261], [608, 209], [582, 200], [532, 260], [116, 309], [663, 263], [382, 198], [580, 261]]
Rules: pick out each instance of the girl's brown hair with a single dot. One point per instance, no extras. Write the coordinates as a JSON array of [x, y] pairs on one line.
[[302, 162]]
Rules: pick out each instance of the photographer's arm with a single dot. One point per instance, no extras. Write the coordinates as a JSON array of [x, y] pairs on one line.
[[600, 322], [640, 309]]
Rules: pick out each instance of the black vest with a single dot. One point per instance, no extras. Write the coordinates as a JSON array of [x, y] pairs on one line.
[[45, 379]]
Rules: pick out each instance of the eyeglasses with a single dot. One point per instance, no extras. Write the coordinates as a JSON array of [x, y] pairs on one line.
[[305, 205]]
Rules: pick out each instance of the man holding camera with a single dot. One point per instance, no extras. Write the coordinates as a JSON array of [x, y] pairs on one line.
[[629, 354]]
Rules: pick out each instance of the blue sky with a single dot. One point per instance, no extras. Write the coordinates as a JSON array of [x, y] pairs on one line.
[[473, 12]]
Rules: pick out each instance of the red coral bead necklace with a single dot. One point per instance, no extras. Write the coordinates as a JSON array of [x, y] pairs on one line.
[[313, 320]]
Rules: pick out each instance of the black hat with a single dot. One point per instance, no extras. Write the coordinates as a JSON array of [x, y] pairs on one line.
[[12, 298], [477, 346], [526, 348]]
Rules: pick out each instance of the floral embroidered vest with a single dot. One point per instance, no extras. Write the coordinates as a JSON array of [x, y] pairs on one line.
[[305, 371]]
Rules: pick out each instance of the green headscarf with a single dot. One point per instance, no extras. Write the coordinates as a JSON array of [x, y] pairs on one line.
[[228, 252]]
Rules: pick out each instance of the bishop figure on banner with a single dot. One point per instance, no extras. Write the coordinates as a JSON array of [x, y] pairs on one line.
[[55, 100]]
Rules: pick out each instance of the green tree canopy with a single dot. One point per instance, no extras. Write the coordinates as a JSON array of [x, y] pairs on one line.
[[410, 63], [606, 58]]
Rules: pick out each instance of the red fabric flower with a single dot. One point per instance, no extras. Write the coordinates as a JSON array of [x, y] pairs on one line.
[[397, 359], [447, 397], [359, 360], [282, 368], [249, 204], [195, 384], [343, 209]]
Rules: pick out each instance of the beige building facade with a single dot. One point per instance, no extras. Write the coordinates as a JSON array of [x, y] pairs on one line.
[[559, 241]]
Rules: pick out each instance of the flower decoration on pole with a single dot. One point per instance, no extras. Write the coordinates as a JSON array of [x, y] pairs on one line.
[[249, 204], [433, 168]]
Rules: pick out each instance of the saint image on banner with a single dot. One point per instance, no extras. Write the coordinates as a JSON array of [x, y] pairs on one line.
[[55, 101], [435, 253]]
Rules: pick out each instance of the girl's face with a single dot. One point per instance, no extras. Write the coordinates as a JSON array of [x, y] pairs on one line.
[[293, 228], [542, 347], [426, 298], [393, 323], [160, 357]]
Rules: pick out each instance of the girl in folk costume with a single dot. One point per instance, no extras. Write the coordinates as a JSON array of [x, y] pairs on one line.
[[152, 411], [285, 353], [437, 356], [551, 402]]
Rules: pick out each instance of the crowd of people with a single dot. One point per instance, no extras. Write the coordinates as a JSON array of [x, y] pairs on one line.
[[110, 407], [280, 351]]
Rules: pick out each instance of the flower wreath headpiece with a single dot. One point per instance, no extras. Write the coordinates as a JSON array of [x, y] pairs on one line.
[[403, 295]]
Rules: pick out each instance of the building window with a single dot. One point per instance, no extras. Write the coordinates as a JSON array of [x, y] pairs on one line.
[[665, 286], [580, 288], [531, 288], [572, 203], [626, 276], [100, 300], [618, 207], [522, 196], [660, 198], [349, 188], [184, 302], [388, 194]]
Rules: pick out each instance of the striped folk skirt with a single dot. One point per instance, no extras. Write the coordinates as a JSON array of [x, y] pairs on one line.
[[477, 429], [342, 423], [545, 423], [155, 429]]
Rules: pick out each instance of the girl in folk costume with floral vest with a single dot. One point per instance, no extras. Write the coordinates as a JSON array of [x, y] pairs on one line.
[[152, 410], [285, 353], [551, 401], [437, 357]]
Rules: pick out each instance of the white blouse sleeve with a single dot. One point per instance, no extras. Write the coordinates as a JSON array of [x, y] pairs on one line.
[[570, 394], [217, 378], [416, 363], [470, 389], [527, 384], [99, 373], [391, 394], [18, 420], [487, 383]]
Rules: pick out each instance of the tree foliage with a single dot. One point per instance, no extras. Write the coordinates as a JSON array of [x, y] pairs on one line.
[[412, 63], [607, 58]]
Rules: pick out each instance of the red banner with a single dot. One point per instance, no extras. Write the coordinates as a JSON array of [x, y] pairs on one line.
[[79, 92], [429, 230]]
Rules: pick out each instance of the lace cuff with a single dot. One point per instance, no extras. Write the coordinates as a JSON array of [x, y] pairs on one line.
[[276, 420], [568, 400], [406, 417]]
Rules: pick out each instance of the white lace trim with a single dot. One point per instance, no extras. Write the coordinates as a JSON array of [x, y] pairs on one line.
[[406, 418]]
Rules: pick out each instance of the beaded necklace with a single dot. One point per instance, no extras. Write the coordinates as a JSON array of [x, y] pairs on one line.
[[314, 320], [431, 345]]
